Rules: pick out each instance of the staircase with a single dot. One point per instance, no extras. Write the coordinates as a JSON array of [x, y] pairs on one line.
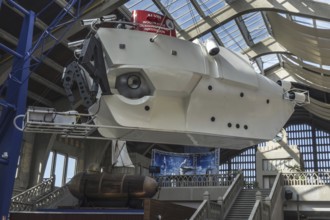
[[25, 201], [43, 195], [243, 205]]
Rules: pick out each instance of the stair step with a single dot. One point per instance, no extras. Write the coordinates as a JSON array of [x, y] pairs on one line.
[[242, 214], [243, 205]]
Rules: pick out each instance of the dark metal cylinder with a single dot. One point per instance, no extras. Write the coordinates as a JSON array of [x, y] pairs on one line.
[[106, 187]]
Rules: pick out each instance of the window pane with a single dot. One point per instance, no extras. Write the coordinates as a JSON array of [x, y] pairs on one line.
[[59, 168], [48, 168], [71, 169], [301, 135]]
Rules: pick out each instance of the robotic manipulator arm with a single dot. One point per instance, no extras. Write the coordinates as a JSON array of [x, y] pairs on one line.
[[89, 60]]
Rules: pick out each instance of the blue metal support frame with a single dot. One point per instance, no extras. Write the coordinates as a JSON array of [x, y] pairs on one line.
[[14, 103], [18, 7], [16, 95], [8, 50]]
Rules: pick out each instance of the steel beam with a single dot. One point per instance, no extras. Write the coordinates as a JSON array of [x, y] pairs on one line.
[[267, 46], [13, 40], [10, 51], [38, 23], [48, 83], [40, 99], [167, 13], [63, 4], [51, 63], [244, 31], [202, 14], [306, 8], [8, 37], [18, 7], [11, 137], [103, 7]]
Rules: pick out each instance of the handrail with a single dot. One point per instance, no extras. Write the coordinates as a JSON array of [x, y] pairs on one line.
[[207, 211], [214, 211], [274, 193], [238, 177], [231, 194], [50, 198], [256, 211], [25, 200], [276, 185], [195, 180], [201, 212], [306, 178]]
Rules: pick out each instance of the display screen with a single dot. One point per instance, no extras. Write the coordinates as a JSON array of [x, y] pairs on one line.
[[185, 163]]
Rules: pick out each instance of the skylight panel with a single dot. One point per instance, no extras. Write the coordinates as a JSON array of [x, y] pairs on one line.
[[323, 1], [205, 37], [291, 60], [303, 21], [211, 6], [312, 63], [322, 24], [326, 67], [256, 26], [269, 60], [231, 36], [142, 5], [182, 11], [283, 15]]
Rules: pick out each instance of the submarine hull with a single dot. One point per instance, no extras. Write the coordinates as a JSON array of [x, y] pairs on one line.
[[172, 91]]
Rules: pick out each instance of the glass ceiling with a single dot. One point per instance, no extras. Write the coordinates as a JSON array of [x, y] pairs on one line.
[[237, 34], [228, 35]]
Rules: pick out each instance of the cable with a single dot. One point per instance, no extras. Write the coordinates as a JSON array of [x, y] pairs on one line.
[[193, 17], [168, 5]]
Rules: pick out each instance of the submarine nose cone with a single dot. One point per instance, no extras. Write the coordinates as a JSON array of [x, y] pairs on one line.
[[74, 185], [150, 186]]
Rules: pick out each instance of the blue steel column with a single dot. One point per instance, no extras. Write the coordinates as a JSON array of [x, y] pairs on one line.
[[10, 137]]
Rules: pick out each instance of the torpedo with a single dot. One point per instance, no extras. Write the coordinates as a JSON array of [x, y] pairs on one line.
[[106, 189]]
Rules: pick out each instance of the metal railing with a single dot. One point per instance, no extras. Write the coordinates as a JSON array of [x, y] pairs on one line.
[[306, 178], [51, 198], [196, 180], [25, 201]]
